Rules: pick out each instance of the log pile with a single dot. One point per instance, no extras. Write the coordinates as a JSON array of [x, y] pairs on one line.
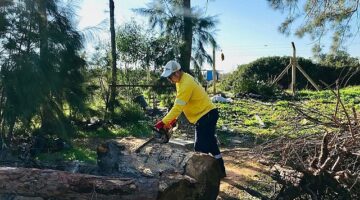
[[156, 172], [318, 166]]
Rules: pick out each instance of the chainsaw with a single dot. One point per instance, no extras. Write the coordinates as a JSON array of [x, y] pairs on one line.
[[161, 136]]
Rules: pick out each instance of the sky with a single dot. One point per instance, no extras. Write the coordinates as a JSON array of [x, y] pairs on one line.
[[247, 29]]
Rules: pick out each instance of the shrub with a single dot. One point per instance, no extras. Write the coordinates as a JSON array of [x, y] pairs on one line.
[[255, 87], [128, 113], [255, 75]]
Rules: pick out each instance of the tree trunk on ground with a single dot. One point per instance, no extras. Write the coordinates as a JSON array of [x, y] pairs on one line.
[[158, 171], [171, 165], [65, 185]]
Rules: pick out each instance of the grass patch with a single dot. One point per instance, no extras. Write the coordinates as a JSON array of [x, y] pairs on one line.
[[279, 117], [86, 151], [135, 130], [77, 153]]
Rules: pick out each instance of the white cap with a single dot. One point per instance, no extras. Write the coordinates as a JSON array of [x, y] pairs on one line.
[[170, 67]]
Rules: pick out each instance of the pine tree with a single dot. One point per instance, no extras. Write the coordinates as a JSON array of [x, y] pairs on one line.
[[321, 17], [41, 69]]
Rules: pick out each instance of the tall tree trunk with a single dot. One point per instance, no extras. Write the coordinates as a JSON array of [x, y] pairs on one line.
[[187, 37], [44, 64], [43, 34], [2, 121], [10, 134], [113, 58]]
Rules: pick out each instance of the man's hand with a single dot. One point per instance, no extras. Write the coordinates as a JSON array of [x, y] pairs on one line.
[[165, 130], [171, 124], [159, 125]]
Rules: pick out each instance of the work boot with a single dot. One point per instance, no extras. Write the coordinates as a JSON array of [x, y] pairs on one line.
[[222, 168]]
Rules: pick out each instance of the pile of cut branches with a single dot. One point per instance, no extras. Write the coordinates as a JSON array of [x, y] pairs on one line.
[[318, 166]]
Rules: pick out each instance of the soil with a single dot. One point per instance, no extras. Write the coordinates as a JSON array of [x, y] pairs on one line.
[[246, 177]]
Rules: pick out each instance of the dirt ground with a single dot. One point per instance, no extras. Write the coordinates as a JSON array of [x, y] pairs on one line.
[[246, 177]]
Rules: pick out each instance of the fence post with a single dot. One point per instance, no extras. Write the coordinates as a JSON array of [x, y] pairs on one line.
[[214, 73], [293, 70]]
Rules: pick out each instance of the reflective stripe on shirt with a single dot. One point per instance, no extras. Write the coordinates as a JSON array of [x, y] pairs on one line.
[[180, 102]]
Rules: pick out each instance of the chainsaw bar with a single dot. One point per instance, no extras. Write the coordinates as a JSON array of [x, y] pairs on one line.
[[161, 136]]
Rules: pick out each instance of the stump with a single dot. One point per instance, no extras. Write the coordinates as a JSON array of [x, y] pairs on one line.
[[158, 171]]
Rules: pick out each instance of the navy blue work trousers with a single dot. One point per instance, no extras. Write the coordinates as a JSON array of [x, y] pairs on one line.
[[205, 140]]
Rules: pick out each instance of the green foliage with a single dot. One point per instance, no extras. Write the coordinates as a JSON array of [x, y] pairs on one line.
[[255, 87], [164, 91], [127, 113], [350, 95], [168, 16], [319, 18], [98, 77], [140, 48], [256, 77], [167, 100], [140, 51], [131, 43], [4, 4], [141, 55], [280, 117], [338, 59], [135, 129], [79, 154], [42, 70], [85, 151]]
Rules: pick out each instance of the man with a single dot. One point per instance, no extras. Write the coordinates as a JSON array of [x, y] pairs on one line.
[[193, 100]]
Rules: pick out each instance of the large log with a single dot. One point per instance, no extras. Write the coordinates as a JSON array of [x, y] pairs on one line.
[[197, 175], [56, 184], [156, 172]]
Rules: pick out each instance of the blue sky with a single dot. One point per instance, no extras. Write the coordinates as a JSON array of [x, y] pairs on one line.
[[247, 29]]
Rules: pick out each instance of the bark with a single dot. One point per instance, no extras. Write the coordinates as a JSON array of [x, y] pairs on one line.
[[46, 116], [43, 33], [187, 37], [65, 185], [113, 58], [2, 120]]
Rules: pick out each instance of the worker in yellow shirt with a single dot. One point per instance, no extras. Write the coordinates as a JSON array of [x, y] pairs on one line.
[[192, 99]]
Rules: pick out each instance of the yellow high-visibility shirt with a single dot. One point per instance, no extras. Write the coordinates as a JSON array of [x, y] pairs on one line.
[[191, 98]]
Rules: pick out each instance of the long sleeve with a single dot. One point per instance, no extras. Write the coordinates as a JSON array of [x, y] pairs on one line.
[[183, 94]]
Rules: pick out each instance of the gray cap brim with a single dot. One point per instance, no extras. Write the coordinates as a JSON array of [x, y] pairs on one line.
[[166, 73]]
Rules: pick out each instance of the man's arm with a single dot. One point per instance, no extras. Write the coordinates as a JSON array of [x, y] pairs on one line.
[[182, 97]]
